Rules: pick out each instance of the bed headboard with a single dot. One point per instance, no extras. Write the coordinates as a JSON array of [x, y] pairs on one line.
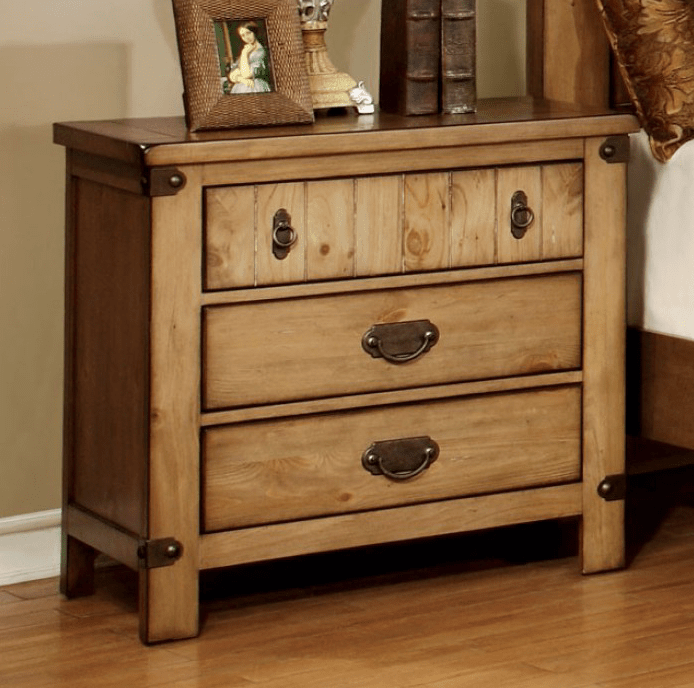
[[568, 56]]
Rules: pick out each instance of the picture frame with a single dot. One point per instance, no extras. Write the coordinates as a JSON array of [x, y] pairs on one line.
[[230, 77]]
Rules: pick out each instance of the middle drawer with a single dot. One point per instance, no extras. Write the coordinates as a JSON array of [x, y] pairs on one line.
[[296, 349]]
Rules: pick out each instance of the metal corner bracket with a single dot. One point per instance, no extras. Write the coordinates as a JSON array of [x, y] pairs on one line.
[[154, 554], [615, 149], [163, 181], [613, 487]]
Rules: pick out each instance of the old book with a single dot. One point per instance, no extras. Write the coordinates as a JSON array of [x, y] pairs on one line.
[[410, 56], [458, 56]]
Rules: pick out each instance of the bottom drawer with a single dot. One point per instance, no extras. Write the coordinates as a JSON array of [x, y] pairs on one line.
[[294, 468]]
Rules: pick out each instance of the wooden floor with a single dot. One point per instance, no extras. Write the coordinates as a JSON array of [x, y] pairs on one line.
[[469, 611]]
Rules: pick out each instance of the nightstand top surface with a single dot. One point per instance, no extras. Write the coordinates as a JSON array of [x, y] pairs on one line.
[[165, 140]]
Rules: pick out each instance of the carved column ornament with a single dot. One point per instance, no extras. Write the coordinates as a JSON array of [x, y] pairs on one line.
[[329, 87]]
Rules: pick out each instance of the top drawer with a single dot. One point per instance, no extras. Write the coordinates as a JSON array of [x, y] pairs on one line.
[[391, 224]]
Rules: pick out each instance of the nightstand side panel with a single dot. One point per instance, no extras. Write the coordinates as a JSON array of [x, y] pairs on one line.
[[108, 406]]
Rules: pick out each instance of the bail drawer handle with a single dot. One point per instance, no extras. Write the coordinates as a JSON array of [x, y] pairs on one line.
[[283, 234], [400, 459], [400, 342], [522, 215]]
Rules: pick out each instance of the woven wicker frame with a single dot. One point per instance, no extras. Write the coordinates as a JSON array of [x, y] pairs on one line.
[[206, 106]]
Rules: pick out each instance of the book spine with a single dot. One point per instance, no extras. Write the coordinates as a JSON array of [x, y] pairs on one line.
[[410, 56], [458, 56]]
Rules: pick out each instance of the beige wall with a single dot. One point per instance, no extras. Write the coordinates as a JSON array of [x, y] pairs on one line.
[[94, 60]]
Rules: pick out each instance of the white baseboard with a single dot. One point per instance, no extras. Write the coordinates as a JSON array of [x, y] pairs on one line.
[[29, 547]]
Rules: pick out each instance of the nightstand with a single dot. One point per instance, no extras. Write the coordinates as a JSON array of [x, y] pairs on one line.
[[299, 339]]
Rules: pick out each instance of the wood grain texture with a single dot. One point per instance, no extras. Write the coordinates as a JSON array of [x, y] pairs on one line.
[[378, 225], [388, 525], [267, 472], [330, 229], [165, 141], [473, 218], [425, 246], [391, 223], [562, 210], [660, 387], [108, 408], [169, 595], [126, 176], [365, 284], [307, 349], [230, 235], [604, 334], [401, 396], [569, 57], [355, 163]]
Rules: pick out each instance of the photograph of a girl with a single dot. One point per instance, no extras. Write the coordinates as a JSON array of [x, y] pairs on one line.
[[244, 59]]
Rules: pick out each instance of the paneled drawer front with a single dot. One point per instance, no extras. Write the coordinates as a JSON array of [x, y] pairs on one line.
[[310, 348], [392, 224], [288, 469]]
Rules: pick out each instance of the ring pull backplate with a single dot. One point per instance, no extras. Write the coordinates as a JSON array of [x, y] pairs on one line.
[[400, 342], [401, 459], [283, 234], [522, 215]]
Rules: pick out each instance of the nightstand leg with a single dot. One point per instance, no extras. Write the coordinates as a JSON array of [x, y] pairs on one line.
[[604, 343], [76, 568], [168, 602], [169, 594]]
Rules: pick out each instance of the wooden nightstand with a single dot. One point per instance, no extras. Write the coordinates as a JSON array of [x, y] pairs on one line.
[[300, 339]]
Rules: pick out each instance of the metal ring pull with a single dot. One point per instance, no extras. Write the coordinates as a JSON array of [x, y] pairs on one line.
[[406, 475], [284, 229], [522, 215], [283, 234], [400, 342], [401, 459], [375, 343]]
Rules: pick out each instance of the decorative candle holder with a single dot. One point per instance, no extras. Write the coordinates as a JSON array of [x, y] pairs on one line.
[[329, 87]]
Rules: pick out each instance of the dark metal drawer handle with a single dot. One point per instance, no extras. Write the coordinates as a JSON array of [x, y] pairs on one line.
[[283, 234], [400, 342], [521, 215], [401, 459]]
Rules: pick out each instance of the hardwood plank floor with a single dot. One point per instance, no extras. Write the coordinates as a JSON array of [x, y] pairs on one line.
[[507, 608]]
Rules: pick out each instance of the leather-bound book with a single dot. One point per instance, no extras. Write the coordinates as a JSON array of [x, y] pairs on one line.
[[458, 57], [410, 56]]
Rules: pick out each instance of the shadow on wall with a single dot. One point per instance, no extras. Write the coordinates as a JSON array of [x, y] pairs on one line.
[[42, 84], [165, 19], [356, 24]]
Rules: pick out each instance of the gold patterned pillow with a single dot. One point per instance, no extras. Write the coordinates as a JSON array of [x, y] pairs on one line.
[[653, 41]]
